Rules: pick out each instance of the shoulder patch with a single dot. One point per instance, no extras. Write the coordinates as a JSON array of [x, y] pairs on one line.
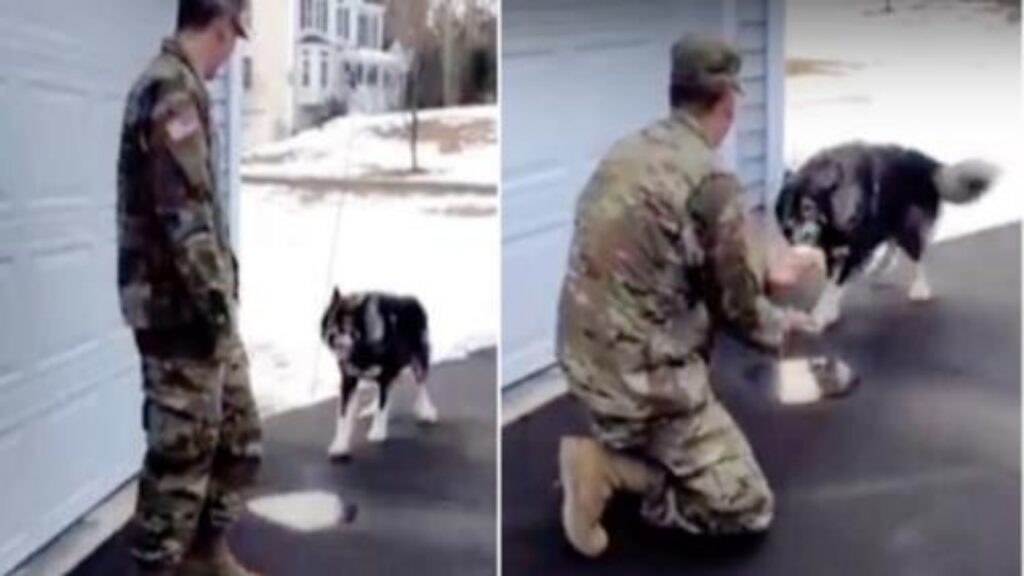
[[183, 124]]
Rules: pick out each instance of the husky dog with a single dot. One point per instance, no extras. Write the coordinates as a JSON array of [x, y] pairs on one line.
[[859, 201], [376, 337]]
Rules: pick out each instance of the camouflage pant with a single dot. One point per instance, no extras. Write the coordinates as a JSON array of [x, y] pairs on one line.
[[203, 447], [713, 483]]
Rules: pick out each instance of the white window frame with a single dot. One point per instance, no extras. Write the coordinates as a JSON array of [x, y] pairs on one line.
[[305, 72], [325, 68], [363, 31], [322, 15], [306, 14], [344, 22], [247, 73]]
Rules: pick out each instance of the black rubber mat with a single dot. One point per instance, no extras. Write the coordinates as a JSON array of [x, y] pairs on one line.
[[917, 473], [426, 497]]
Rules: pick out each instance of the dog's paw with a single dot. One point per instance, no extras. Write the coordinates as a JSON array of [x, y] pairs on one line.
[[369, 411], [377, 433], [821, 321], [339, 452], [825, 314], [920, 291], [425, 413]]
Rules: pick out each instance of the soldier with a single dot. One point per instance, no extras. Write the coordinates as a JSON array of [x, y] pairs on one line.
[[659, 261], [178, 285]]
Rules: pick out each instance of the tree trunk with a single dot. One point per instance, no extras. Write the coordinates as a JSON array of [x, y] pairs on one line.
[[414, 105]]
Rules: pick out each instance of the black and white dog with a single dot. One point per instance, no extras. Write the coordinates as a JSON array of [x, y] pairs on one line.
[[380, 338], [859, 201]]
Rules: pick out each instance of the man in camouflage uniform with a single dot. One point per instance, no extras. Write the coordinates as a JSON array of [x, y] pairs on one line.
[[179, 293], [659, 262]]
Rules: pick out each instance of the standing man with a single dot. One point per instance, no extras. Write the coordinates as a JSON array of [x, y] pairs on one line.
[[659, 262], [179, 294]]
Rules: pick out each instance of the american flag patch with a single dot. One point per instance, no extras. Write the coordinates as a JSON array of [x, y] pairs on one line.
[[182, 126]]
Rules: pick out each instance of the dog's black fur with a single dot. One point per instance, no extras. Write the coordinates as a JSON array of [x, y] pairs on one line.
[[376, 336], [850, 199]]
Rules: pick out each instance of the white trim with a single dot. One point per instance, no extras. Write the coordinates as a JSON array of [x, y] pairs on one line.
[[531, 395], [775, 99], [233, 141], [728, 151]]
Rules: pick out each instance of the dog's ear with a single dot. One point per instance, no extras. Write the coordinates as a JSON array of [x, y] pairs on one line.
[[335, 297]]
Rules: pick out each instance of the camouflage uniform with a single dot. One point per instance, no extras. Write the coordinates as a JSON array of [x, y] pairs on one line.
[[179, 288], [659, 261]]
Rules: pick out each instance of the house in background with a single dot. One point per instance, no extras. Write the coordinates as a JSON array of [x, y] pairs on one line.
[[601, 68], [268, 110], [308, 59]]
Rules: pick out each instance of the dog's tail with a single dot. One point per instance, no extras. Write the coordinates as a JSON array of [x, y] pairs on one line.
[[965, 181]]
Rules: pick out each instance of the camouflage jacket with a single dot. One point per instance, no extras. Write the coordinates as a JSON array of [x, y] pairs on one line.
[[659, 260], [175, 266]]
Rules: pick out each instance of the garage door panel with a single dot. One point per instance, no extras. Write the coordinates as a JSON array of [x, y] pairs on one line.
[[61, 281], [10, 348], [16, 488], [530, 140], [59, 121], [602, 116], [534, 204], [530, 289]]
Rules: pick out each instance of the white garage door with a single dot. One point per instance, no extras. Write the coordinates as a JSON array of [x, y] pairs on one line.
[[576, 76], [69, 377]]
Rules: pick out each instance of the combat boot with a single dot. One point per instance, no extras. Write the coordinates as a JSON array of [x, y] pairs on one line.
[[211, 556], [590, 474]]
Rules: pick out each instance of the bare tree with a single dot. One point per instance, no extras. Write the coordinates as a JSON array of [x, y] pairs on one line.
[[408, 23]]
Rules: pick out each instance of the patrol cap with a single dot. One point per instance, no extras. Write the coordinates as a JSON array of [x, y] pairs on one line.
[[705, 62], [234, 9], [237, 10]]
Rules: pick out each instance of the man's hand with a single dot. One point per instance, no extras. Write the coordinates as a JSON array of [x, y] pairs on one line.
[[800, 322], [794, 265]]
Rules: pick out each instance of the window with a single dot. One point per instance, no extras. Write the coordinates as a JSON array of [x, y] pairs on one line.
[[305, 68], [247, 72], [343, 18], [364, 31], [306, 14], [324, 70], [321, 16], [371, 76]]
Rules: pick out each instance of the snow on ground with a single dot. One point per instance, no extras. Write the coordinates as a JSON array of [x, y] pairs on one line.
[[942, 75], [456, 145]]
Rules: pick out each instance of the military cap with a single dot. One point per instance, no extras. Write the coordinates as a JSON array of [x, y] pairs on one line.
[[702, 61], [235, 9]]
